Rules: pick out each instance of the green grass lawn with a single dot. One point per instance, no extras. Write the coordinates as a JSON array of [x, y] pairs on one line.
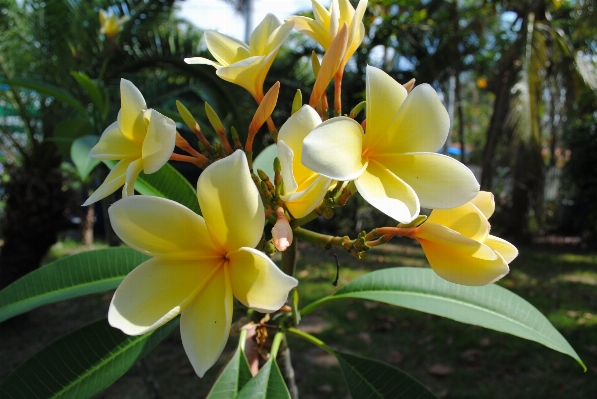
[[454, 360]]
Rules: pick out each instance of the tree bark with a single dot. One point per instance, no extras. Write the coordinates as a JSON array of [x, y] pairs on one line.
[[34, 216]]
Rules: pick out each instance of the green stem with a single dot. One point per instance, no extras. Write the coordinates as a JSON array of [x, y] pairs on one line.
[[314, 340], [289, 258], [321, 240], [315, 305], [276, 344], [242, 340], [299, 222]]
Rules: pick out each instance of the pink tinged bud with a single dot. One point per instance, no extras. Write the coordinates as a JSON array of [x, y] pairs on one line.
[[281, 232]]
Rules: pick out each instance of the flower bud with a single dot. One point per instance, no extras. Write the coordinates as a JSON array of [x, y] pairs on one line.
[[281, 232]]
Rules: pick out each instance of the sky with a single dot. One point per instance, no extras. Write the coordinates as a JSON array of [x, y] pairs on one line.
[[220, 16]]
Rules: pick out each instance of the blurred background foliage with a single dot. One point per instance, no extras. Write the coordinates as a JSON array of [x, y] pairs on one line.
[[518, 79]]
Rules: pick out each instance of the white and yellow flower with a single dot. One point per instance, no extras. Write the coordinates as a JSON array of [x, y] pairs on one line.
[[110, 24], [141, 139], [242, 64], [394, 165], [324, 28], [303, 188], [458, 245], [199, 263]]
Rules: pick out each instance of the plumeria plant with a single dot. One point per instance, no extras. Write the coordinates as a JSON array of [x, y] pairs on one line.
[[193, 255]]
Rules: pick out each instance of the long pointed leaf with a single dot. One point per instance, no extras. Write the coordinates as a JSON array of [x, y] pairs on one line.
[[490, 306], [79, 153], [166, 183], [267, 384], [368, 379], [69, 277], [81, 364], [233, 378], [48, 90], [90, 88]]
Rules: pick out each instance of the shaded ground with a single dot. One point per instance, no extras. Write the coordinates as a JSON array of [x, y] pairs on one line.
[[454, 360]]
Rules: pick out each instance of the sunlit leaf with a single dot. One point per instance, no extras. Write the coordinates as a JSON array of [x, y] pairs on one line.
[[490, 306], [267, 384], [265, 160], [79, 153], [166, 183], [70, 277], [232, 379]]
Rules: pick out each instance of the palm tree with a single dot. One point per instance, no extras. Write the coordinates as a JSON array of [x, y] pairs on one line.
[[41, 43]]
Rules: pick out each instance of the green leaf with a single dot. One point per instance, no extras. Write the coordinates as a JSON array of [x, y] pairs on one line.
[[81, 364], [490, 306], [267, 384], [166, 183], [265, 160], [70, 277], [233, 378], [67, 131], [79, 153], [368, 378], [48, 90], [90, 88]]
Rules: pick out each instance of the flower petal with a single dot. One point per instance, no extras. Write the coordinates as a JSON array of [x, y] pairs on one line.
[[322, 15], [261, 33], [132, 172], [201, 61], [421, 124], [439, 181], [301, 203], [293, 133], [155, 292], [287, 161], [445, 236], [248, 74], [313, 29], [277, 37], [159, 141], [465, 219], [114, 145], [130, 117], [226, 50], [334, 148], [205, 323], [356, 27], [257, 282], [485, 202], [460, 268], [230, 203], [113, 182], [502, 247], [384, 98], [162, 228], [388, 193]]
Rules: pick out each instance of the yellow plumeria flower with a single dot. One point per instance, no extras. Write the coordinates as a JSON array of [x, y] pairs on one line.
[[242, 64], [111, 25], [324, 28], [303, 188], [141, 139], [394, 165], [199, 263], [459, 247]]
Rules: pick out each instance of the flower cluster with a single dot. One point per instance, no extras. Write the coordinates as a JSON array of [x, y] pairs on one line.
[[199, 263]]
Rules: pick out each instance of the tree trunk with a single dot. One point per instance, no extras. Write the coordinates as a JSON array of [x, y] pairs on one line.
[[497, 125], [35, 207]]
